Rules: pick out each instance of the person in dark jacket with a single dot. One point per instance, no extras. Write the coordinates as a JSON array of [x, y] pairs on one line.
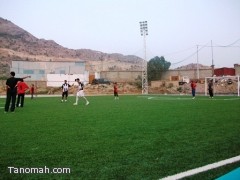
[[210, 88], [11, 85]]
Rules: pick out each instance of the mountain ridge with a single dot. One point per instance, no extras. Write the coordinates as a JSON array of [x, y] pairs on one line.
[[18, 44]]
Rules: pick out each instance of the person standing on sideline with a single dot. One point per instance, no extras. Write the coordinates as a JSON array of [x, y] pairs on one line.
[[11, 85], [193, 86], [65, 87], [32, 90], [80, 92], [210, 88], [21, 88], [115, 91]]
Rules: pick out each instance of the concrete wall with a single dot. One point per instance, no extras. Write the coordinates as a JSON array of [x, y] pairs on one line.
[[131, 76], [56, 80], [237, 69], [192, 74], [121, 76], [157, 84]]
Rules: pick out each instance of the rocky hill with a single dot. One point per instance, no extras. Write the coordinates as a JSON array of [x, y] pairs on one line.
[[194, 66], [18, 44]]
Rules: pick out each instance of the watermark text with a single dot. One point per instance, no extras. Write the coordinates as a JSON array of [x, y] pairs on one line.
[[38, 170]]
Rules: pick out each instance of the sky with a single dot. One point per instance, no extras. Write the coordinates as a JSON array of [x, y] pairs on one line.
[[183, 31]]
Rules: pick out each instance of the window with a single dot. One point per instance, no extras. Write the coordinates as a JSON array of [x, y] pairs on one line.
[[62, 72], [28, 71], [41, 71], [79, 63]]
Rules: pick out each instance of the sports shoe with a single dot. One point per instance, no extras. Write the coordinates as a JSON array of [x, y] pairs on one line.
[[65, 100], [62, 100], [75, 104], [87, 103]]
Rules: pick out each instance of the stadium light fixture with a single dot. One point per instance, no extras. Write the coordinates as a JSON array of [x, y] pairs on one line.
[[144, 33]]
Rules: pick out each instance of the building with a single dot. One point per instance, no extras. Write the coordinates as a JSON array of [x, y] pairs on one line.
[[178, 74], [237, 69], [38, 70], [224, 71]]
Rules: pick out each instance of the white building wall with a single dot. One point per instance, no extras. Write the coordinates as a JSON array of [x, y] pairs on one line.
[[56, 80], [39, 70]]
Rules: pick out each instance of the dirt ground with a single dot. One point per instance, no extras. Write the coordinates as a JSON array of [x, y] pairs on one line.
[[125, 88]]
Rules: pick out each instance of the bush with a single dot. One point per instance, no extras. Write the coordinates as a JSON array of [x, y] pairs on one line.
[[138, 82], [170, 85], [179, 89]]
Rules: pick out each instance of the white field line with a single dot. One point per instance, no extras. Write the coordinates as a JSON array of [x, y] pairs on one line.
[[232, 99], [202, 169], [186, 98]]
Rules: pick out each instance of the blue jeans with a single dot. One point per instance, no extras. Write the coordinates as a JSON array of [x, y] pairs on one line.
[[193, 92]]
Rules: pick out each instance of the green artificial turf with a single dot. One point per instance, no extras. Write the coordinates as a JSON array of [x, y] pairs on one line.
[[136, 137]]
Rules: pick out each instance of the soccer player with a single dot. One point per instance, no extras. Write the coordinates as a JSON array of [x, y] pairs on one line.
[[65, 87], [21, 88], [115, 91], [193, 86], [11, 85], [210, 88], [80, 92], [32, 90]]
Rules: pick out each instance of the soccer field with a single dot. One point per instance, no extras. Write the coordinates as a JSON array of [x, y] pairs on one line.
[[136, 137]]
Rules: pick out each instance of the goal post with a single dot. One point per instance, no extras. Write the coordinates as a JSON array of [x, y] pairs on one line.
[[224, 85]]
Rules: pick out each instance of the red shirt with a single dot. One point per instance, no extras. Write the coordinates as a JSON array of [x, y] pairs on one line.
[[32, 90], [193, 85], [21, 87], [115, 88]]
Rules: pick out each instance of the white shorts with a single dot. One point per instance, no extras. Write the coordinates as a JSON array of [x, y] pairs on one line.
[[80, 93]]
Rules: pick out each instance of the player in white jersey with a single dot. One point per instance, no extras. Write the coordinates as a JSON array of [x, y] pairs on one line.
[[65, 88], [80, 92]]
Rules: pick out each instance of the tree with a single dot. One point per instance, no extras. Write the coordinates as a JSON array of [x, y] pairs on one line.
[[156, 67], [138, 82]]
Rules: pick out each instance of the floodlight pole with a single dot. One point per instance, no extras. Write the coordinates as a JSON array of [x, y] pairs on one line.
[[197, 65], [238, 77], [144, 33]]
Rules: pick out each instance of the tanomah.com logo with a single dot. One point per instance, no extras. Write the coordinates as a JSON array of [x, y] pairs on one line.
[[39, 170]]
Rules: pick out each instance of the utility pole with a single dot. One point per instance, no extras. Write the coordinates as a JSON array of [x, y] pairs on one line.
[[197, 65], [212, 59]]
